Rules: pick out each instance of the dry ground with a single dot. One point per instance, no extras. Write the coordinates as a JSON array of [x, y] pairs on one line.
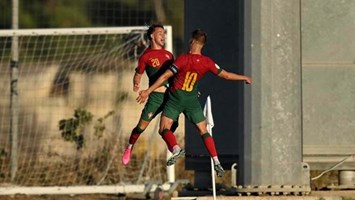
[[315, 195]]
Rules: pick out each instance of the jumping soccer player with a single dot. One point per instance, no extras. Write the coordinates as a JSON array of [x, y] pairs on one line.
[[154, 61], [183, 96]]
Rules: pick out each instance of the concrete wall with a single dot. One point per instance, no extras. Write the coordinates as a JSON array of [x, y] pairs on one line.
[[272, 149], [328, 84], [300, 107]]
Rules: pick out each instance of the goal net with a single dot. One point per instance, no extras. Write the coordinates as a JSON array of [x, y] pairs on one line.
[[75, 109]]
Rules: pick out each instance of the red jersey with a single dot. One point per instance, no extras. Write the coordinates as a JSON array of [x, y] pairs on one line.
[[154, 62], [189, 69]]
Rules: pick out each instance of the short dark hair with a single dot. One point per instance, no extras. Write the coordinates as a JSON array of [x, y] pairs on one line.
[[199, 35], [151, 29]]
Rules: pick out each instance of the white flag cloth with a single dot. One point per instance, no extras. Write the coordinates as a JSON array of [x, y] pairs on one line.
[[207, 111]]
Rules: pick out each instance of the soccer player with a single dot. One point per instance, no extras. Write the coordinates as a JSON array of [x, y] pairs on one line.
[[187, 70], [154, 61]]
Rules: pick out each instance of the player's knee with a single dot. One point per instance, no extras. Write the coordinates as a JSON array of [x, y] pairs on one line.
[[202, 131], [162, 132], [139, 129], [205, 135]]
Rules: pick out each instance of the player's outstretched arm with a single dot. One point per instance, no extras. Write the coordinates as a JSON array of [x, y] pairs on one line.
[[143, 95], [136, 81], [234, 77]]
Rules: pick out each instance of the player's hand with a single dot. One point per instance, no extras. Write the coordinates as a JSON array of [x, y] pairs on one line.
[[135, 87], [248, 80], [143, 95]]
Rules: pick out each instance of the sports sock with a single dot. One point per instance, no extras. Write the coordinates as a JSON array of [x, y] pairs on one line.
[[169, 138], [136, 132], [176, 148], [215, 160], [209, 144]]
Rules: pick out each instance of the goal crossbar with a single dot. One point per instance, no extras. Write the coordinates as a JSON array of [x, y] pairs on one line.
[[84, 31], [70, 31]]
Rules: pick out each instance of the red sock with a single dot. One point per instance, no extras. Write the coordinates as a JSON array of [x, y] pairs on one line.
[[209, 144], [169, 138], [136, 132]]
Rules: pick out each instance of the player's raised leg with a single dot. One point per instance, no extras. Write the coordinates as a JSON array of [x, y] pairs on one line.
[[170, 140], [210, 146], [136, 132]]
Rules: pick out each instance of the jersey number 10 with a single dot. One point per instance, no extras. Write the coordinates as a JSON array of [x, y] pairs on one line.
[[190, 80]]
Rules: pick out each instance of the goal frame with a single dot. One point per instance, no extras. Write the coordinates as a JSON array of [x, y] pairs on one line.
[[108, 189]]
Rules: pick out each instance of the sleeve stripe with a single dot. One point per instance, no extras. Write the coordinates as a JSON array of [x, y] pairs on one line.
[[173, 68]]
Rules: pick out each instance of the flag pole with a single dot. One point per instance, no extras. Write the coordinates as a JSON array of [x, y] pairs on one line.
[[210, 123]]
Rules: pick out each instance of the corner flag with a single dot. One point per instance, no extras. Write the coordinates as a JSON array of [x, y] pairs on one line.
[[207, 111]]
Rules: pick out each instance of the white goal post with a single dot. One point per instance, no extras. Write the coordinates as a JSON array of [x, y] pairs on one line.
[[85, 31], [81, 76]]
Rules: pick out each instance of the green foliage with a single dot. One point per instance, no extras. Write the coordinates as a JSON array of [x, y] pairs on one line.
[[2, 153], [100, 125], [72, 128], [121, 96], [143, 4], [94, 13], [5, 14], [69, 16]]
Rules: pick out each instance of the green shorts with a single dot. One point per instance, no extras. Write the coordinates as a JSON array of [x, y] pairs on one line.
[[154, 105], [181, 102]]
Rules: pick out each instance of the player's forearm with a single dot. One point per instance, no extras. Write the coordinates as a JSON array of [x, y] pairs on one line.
[[236, 77], [159, 82], [137, 79], [231, 76]]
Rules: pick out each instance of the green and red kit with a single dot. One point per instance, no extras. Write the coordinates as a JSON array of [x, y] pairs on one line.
[[154, 62], [183, 97]]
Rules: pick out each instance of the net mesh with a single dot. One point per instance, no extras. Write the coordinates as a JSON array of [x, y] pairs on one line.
[[76, 111]]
